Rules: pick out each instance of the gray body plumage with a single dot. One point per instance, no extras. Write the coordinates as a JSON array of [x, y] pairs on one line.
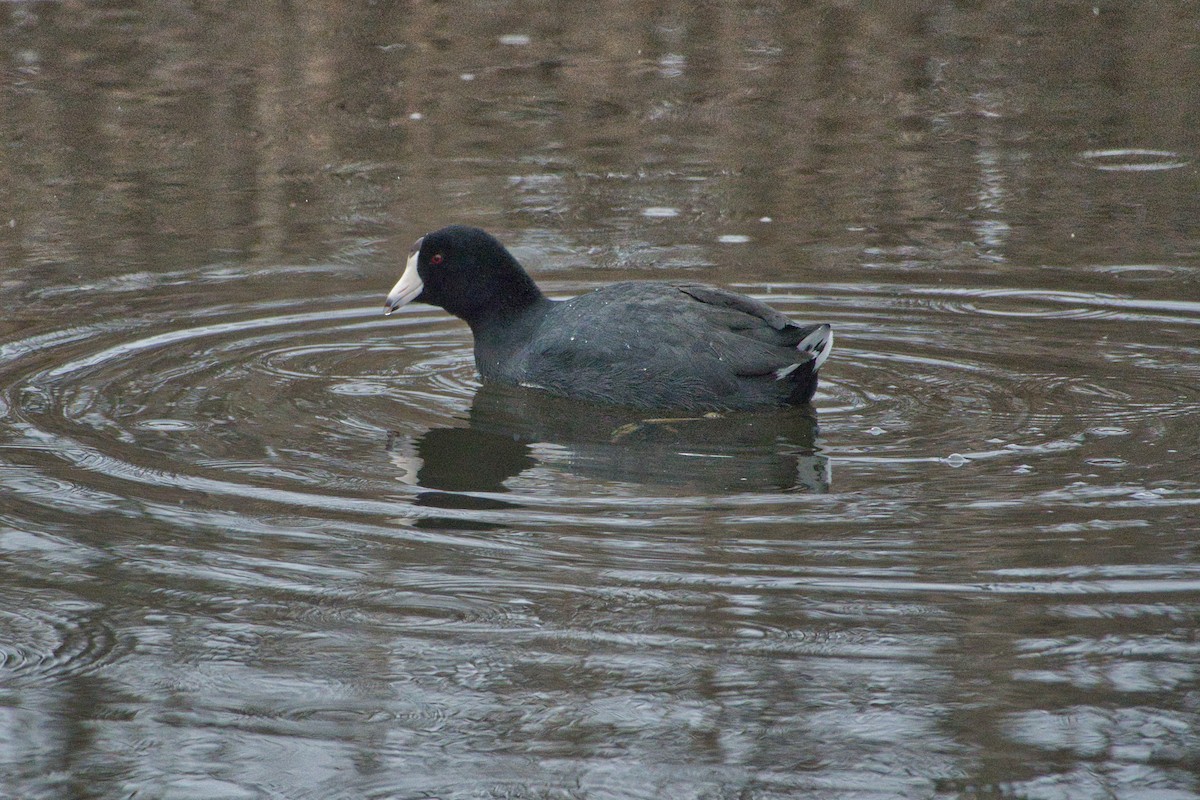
[[655, 345]]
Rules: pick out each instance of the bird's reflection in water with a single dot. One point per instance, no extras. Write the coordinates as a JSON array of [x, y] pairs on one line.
[[510, 430]]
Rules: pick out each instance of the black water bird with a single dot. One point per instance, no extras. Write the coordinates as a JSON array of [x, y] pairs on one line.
[[645, 344]]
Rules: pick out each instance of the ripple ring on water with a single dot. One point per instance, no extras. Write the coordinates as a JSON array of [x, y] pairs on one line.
[[1132, 159]]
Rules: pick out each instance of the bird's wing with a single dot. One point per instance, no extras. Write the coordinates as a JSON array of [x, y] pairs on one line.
[[740, 303]]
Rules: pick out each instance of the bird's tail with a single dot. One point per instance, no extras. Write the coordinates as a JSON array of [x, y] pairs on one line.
[[819, 343], [814, 349]]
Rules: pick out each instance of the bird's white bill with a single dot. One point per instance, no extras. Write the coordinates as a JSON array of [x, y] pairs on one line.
[[409, 285]]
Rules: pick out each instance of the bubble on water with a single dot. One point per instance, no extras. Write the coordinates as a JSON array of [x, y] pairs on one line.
[[955, 460], [733, 238], [360, 388], [165, 425], [875, 430], [661, 212], [1107, 462], [1108, 430]]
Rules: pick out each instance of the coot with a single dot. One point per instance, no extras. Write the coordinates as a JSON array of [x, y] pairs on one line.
[[652, 344]]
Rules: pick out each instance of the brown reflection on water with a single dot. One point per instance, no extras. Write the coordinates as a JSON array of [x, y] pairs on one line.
[[151, 135]]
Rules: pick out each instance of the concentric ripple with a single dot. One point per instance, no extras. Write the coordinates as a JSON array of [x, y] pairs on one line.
[[334, 407], [328, 538], [953, 375], [46, 642], [1133, 159]]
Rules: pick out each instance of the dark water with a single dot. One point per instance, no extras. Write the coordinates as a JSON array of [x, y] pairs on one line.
[[258, 541]]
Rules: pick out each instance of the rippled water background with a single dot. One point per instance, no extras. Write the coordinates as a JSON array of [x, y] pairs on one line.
[[258, 541]]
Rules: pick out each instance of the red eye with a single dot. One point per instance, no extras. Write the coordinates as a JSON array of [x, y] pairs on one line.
[[436, 259]]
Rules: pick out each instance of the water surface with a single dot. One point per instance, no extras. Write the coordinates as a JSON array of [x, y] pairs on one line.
[[259, 541]]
